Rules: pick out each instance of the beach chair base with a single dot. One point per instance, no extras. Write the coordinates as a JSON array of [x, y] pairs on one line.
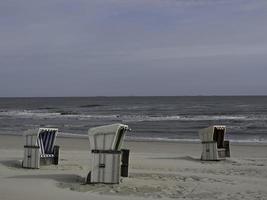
[[227, 148], [125, 162], [31, 157], [105, 167], [210, 151]]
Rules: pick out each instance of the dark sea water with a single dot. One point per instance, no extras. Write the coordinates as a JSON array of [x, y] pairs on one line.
[[150, 118]]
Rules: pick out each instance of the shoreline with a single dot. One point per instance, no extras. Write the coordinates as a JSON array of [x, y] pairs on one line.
[[159, 147], [154, 140]]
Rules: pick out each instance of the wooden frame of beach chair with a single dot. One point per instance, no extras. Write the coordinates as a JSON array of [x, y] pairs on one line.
[[214, 147], [40, 148], [109, 161]]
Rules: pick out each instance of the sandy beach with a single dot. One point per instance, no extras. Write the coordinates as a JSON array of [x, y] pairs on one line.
[[158, 170]]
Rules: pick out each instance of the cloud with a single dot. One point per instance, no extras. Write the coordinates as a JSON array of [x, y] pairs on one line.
[[251, 6], [198, 52]]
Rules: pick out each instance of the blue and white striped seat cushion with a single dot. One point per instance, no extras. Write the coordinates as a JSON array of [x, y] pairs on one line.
[[46, 141]]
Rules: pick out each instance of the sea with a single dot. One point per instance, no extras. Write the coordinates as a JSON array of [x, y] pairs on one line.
[[150, 118]]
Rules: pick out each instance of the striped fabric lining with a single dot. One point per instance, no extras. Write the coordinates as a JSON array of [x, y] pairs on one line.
[[46, 141], [41, 145]]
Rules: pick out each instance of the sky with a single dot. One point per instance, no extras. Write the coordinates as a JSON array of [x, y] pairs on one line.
[[133, 47]]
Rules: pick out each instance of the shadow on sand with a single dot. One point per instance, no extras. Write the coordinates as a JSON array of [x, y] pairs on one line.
[[61, 178], [16, 164], [187, 158], [198, 160]]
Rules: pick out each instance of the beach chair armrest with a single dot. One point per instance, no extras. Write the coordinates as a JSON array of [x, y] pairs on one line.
[[226, 143], [56, 154], [227, 148], [56, 149]]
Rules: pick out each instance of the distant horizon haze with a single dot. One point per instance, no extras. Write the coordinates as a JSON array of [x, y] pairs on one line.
[[126, 96]]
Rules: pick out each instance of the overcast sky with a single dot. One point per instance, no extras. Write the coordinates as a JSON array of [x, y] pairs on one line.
[[133, 47]]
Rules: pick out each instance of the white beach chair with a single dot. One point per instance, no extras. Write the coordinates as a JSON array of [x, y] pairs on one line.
[[109, 161], [40, 148], [214, 147]]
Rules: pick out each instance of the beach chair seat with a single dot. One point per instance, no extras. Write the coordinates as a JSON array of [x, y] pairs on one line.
[[214, 147], [40, 148]]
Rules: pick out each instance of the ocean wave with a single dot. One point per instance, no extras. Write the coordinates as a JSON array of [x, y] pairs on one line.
[[159, 139], [139, 118], [26, 114], [46, 108], [215, 117], [60, 114], [126, 118], [90, 105], [132, 138], [162, 139], [258, 140], [255, 140], [72, 135]]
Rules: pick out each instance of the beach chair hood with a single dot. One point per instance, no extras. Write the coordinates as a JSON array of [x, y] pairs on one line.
[[109, 137], [207, 134], [44, 138]]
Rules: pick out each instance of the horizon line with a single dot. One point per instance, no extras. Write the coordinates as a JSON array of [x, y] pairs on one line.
[[106, 96]]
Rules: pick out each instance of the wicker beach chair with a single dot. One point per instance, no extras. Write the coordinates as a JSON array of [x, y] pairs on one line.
[[40, 148], [214, 147], [109, 161]]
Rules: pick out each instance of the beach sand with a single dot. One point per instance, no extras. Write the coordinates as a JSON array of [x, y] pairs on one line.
[[158, 170]]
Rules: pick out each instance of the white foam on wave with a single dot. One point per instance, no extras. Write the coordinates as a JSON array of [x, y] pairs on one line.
[[244, 141], [34, 114], [140, 118], [128, 118], [160, 139], [235, 141], [28, 114], [194, 140], [152, 139], [71, 135], [215, 117], [130, 138], [98, 116]]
